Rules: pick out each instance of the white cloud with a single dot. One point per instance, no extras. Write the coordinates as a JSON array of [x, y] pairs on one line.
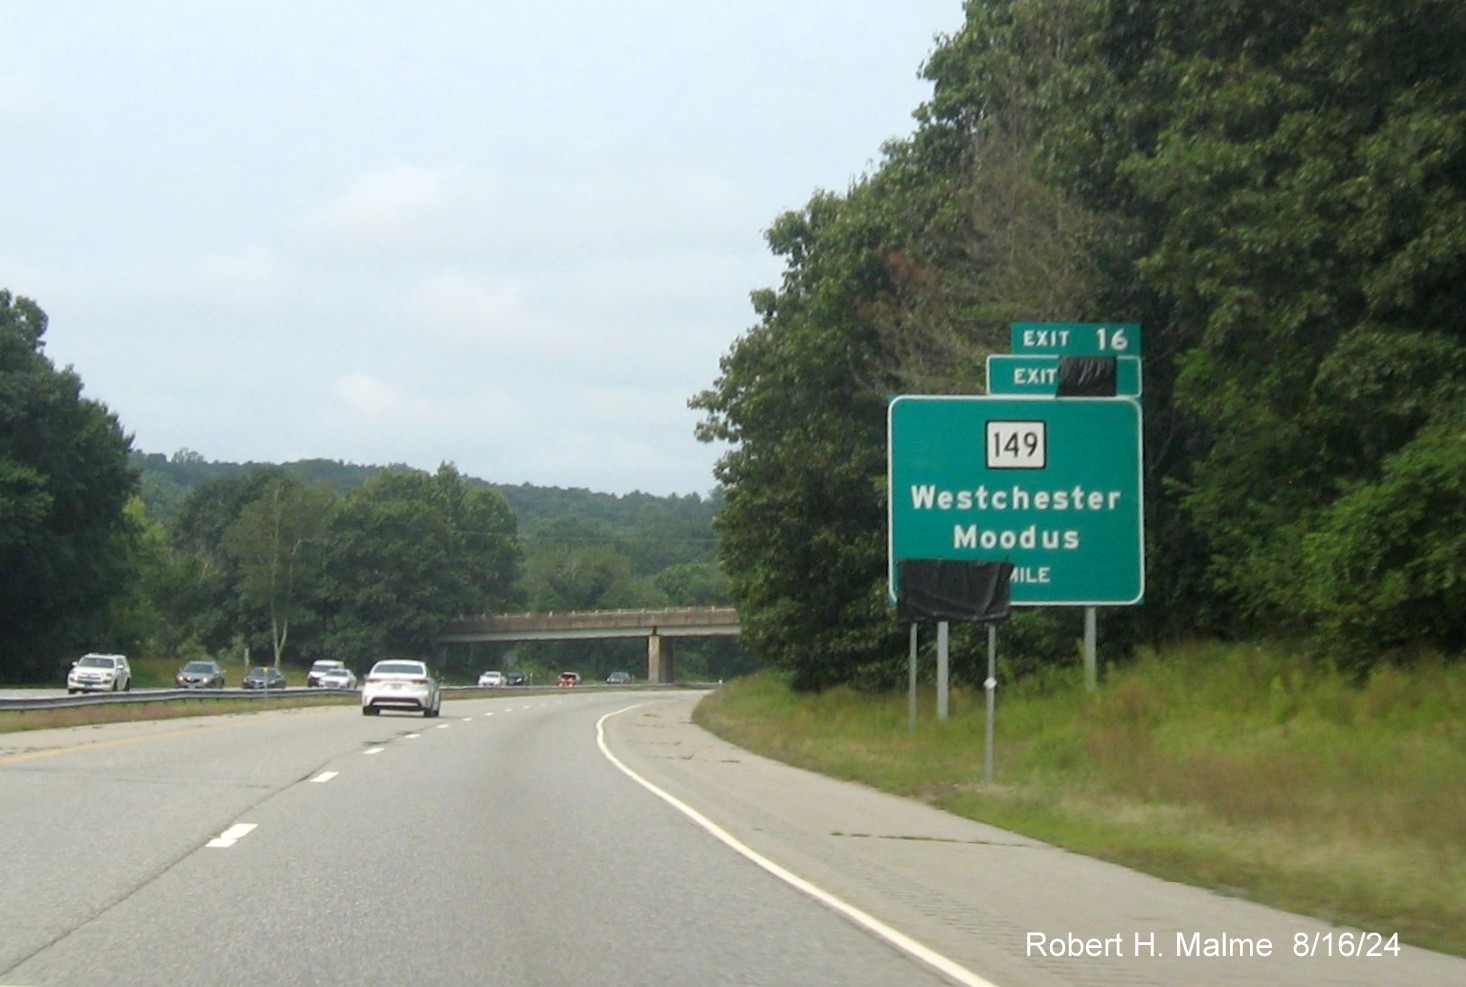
[[460, 308], [364, 400], [389, 198], [403, 210], [249, 273], [363, 396]]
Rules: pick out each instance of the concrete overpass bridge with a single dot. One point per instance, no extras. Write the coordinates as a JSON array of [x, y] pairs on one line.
[[659, 627]]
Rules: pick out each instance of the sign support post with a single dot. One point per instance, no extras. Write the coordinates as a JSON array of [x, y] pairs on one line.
[[911, 691], [943, 696], [1091, 663]]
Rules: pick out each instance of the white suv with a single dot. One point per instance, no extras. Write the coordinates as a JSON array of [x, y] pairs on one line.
[[99, 673]]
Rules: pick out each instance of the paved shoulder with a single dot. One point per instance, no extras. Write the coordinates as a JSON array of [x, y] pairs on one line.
[[1012, 909]]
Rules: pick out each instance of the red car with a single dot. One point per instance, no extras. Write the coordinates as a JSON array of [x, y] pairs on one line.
[[568, 679]]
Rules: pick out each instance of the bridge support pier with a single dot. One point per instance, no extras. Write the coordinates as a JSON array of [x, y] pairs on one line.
[[659, 665]]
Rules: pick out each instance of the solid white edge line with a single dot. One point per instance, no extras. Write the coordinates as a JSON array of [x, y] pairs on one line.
[[917, 951]]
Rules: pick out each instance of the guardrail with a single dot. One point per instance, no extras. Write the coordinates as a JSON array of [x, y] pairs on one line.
[[156, 696], [181, 695]]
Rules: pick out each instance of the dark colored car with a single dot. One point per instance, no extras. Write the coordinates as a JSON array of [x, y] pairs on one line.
[[200, 675], [618, 678], [515, 678], [264, 677]]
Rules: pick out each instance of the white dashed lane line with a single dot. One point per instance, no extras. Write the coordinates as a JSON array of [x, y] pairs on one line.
[[232, 835], [238, 831]]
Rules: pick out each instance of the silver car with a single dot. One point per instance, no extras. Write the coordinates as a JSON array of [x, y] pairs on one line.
[[338, 678], [319, 669], [400, 683]]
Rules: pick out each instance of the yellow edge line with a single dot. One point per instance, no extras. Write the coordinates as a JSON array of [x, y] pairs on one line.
[[104, 744]]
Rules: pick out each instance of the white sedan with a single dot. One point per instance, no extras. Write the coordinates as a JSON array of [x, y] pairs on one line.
[[400, 683]]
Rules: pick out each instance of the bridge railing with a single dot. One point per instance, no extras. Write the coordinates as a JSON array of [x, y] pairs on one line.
[[599, 619]]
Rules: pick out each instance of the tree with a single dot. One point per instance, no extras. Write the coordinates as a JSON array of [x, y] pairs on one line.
[[278, 544], [694, 584], [801, 401], [1276, 191], [410, 551], [202, 598], [1386, 569], [902, 285], [575, 563], [64, 488], [1293, 173]]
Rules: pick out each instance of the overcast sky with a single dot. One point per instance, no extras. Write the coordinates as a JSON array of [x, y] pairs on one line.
[[516, 235]]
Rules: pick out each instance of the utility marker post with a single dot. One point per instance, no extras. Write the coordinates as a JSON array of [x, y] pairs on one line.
[[991, 685]]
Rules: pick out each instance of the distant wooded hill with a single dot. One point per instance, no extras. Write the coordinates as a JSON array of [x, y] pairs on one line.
[[167, 480]]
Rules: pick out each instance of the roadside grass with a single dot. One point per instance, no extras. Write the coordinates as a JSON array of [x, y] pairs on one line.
[[157, 673], [14, 721], [1243, 769]]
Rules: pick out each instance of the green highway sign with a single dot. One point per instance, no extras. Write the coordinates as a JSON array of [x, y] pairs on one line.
[[1077, 338], [1053, 485], [1037, 374]]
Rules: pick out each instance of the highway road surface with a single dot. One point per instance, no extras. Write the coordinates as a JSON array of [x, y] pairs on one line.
[[576, 838]]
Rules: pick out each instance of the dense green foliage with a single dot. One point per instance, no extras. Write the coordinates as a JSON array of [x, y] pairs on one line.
[[326, 559], [409, 551], [64, 483], [1276, 191]]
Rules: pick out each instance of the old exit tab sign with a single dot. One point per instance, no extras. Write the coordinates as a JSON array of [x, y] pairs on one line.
[[1037, 374], [1077, 338]]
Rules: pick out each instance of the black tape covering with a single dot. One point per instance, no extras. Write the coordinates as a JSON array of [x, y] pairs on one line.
[[1086, 377], [952, 590]]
